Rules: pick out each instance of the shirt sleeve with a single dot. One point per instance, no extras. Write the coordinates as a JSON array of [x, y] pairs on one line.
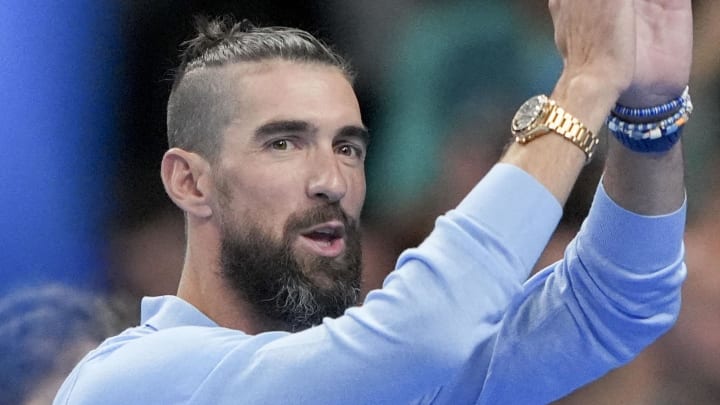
[[616, 290]]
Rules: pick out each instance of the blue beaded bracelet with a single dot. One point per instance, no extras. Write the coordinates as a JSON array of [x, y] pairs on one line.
[[652, 112], [648, 130], [656, 136], [662, 144]]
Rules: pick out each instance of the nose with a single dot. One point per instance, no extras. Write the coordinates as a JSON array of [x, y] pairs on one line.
[[326, 181]]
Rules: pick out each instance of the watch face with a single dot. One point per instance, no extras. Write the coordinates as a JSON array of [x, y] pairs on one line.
[[528, 113]]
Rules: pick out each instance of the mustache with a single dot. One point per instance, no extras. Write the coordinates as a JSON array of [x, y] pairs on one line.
[[319, 214]]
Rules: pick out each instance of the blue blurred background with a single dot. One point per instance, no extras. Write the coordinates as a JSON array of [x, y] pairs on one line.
[[60, 65]]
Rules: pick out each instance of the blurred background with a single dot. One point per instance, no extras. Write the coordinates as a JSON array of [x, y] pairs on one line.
[[84, 86]]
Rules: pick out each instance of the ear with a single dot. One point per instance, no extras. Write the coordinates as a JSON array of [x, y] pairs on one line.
[[187, 180]]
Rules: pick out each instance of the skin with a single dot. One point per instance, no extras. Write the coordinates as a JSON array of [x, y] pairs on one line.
[[297, 142]]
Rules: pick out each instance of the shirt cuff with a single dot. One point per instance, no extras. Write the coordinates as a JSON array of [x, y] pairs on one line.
[[645, 243]]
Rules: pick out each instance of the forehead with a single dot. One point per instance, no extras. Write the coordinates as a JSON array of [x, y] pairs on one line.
[[279, 89]]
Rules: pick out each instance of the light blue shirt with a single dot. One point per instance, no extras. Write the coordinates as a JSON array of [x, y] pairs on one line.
[[455, 323]]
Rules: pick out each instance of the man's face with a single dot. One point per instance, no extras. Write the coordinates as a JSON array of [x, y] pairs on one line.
[[291, 185]]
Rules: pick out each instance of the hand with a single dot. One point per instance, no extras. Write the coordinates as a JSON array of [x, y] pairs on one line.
[[596, 39], [663, 51]]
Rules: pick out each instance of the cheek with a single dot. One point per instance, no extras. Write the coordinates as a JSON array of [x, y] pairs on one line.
[[269, 197], [266, 198]]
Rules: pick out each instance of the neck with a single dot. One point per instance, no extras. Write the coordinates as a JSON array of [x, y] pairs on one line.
[[203, 285]]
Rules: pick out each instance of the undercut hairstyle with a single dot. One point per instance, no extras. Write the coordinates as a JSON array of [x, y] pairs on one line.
[[202, 104]]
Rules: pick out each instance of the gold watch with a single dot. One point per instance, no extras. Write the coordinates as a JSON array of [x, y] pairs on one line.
[[541, 115]]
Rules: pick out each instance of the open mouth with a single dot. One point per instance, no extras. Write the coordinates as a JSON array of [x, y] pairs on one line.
[[327, 239]]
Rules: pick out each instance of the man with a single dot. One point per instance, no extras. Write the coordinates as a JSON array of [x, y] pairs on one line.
[[266, 160]]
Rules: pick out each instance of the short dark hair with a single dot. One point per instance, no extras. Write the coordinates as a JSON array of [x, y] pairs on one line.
[[198, 107]]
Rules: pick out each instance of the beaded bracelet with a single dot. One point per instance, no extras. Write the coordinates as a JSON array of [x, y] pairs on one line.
[[656, 136], [652, 112], [650, 130]]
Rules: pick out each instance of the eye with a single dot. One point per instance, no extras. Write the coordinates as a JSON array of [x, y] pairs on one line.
[[350, 150], [281, 144]]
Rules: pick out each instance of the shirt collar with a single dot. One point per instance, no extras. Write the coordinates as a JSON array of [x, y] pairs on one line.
[[170, 311]]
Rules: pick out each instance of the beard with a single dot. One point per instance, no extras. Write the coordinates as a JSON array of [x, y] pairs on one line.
[[290, 290]]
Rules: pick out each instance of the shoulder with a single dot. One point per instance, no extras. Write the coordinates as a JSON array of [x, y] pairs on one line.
[[152, 349], [133, 367]]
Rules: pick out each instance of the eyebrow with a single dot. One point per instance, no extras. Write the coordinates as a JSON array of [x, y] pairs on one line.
[[283, 126], [353, 131], [277, 127]]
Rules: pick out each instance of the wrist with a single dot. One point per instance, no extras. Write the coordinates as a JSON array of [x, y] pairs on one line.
[[652, 112], [660, 94], [585, 97]]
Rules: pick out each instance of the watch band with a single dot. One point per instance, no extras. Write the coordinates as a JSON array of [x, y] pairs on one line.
[[540, 115], [563, 123]]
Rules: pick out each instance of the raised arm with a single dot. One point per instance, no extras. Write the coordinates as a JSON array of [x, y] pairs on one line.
[[652, 183], [618, 287], [594, 38]]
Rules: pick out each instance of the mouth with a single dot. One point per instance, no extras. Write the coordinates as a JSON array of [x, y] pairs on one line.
[[326, 239]]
